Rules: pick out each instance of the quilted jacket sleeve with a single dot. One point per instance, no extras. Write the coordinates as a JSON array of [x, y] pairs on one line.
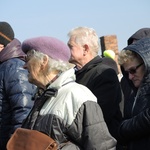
[[136, 127], [89, 129], [18, 92]]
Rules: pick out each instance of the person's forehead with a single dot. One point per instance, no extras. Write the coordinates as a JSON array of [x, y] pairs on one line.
[[130, 63]]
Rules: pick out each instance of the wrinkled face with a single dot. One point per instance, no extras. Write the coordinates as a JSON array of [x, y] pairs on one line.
[[135, 70], [77, 51], [1, 47], [33, 65]]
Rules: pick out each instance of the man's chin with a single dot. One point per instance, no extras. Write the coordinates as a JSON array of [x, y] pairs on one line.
[[71, 61]]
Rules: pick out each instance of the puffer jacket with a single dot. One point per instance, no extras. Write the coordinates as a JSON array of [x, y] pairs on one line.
[[135, 130], [71, 113], [15, 91]]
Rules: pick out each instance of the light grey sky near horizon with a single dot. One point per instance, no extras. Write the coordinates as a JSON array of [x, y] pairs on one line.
[[31, 18]]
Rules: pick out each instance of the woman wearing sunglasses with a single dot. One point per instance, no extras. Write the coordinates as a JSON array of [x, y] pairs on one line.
[[135, 65]]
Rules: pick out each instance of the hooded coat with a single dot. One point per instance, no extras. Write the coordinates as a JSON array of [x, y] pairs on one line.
[[15, 91], [135, 130], [126, 88]]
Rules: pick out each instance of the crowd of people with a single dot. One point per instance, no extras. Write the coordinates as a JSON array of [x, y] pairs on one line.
[[72, 94]]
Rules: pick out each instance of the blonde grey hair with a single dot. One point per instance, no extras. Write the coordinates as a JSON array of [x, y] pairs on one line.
[[53, 64], [85, 35], [127, 55]]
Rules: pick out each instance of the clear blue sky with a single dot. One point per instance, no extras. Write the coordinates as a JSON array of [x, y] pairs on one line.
[[31, 18]]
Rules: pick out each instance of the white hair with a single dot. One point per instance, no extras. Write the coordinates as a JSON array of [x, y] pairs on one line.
[[53, 64], [85, 35]]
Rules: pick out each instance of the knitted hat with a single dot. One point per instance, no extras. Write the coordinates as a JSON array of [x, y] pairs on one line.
[[51, 46], [6, 33]]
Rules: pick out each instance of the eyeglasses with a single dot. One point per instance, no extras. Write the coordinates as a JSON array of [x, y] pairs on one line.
[[133, 70]]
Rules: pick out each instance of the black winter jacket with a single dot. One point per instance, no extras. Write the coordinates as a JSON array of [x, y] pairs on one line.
[[136, 129], [126, 88], [102, 80], [15, 91]]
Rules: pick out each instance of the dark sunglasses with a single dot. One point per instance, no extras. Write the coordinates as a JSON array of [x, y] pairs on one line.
[[133, 70]]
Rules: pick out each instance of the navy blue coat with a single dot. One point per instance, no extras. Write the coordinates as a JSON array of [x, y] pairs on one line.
[[15, 91]]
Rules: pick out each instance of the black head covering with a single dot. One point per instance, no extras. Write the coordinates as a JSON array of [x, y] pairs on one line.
[[6, 33], [141, 33]]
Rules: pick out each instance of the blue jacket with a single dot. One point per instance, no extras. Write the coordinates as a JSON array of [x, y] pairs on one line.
[[15, 91]]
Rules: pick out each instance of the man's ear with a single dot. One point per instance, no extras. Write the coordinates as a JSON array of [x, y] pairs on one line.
[[44, 62], [86, 49]]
